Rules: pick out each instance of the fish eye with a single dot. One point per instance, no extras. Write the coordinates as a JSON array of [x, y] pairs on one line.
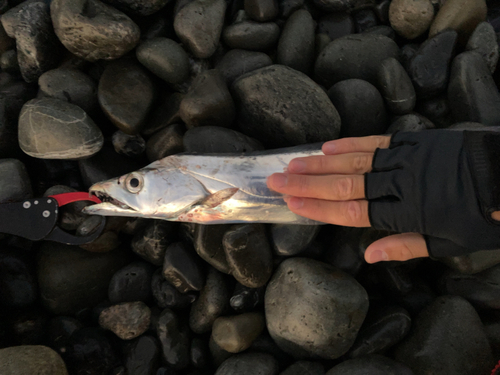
[[134, 183]]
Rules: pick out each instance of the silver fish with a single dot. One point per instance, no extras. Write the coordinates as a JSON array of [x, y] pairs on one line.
[[205, 189]]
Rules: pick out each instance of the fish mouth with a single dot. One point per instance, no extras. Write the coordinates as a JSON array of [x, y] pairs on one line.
[[110, 206]]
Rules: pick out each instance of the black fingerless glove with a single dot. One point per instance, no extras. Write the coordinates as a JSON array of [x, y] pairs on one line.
[[443, 184]]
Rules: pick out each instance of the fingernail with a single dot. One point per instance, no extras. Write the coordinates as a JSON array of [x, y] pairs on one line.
[[295, 202], [378, 255], [279, 180], [328, 148], [297, 166]]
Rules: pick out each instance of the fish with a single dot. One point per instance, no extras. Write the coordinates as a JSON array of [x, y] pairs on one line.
[[204, 189]]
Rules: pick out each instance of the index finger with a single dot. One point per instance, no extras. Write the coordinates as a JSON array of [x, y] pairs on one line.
[[360, 144]]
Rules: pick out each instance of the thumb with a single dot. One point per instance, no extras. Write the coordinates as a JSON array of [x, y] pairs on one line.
[[400, 247]]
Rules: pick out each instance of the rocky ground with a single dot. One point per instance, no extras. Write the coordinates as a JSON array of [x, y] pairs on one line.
[[91, 90]]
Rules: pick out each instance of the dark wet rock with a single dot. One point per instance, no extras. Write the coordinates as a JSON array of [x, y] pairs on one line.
[[211, 303], [166, 142], [354, 56], [131, 283], [17, 280], [364, 19], [411, 18], [360, 106], [382, 30], [166, 295], [62, 131], [437, 110], [152, 241], [245, 299], [296, 44], [287, 7], [314, 309], [38, 49], [199, 355], [174, 338], [474, 262], [9, 145], [31, 359], [251, 35], [127, 320], [71, 279], [491, 322], [237, 62], [460, 15], [484, 41], [90, 351], [48, 173], [343, 249], [198, 25], [208, 102], [472, 92], [236, 333], [289, 240], [118, 90], [165, 371], [340, 5], [304, 368], [373, 365], [249, 364], [142, 356], [70, 85], [15, 184], [207, 242], [182, 268], [215, 139], [6, 42], [107, 241], [9, 62], [165, 58], [139, 7], [166, 113], [218, 354], [382, 10], [320, 42], [248, 254], [15, 95], [408, 51], [261, 10], [28, 327], [448, 338], [282, 107], [336, 25], [128, 145], [411, 122], [103, 31], [396, 87], [59, 330]]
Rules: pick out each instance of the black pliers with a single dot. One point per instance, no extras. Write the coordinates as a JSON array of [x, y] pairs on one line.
[[36, 219]]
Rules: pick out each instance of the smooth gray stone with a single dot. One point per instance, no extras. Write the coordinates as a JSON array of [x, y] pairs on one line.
[[236, 333], [313, 309], [412, 122], [214, 139], [448, 338], [237, 62], [131, 283], [182, 268], [289, 240], [261, 10], [474, 262], [364, 19], [173, 334], [321, 41], [198, 25], [373, 365], [31, 359], [103, 31], [63, 130], [249, 364], [396, 87], [472, 92], [484, 41], [282, 107], [336, 25], [15, 185], [9, 62], [128, 145], [139, 7], [207, 242], [296, 44], [411, 18], [142, 356], [166, 142], [251, 35], [166, 113], [354, 56], [304, 368], [408, 51], [127, 320]]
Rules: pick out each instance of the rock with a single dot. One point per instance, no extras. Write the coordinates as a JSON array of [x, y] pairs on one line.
[[103, 31], [107, 241], [128, 145], [248, 254], [166, 142], [143, 356], [373, 365], [59, 330], [211, 303], [237, 62], [15, 184], [474, 262], [9, 144], [236, 333], [408, 52], [261, 10], [208, 102], [166, 113], [251, 35], [131, 283], [448, 337], [287, 7], [336, 25], [6, 43], [127, 320], [152, 241], [31, 359], [166, 295], [364, 19], [354, 56], [484, 41], [460, 15], [313, 309], [17, 280], [282, 107], [290, 240], [343, 249], [296, 43], [165, 58], [139, 7], [472, 92], [208, 245], [9, 62], [218, 354], [38, 49], [411, 122], [70, 85], [336, 5], [199, 24], [215, 139], [174, 338], [396, 87], [411, 18], [321, 42], [304, 368], [249, 364], [71, 279], [199, 355], [429, 68], [182, 268], [360, 106], [382, 30], [245, 299], [437, 110]]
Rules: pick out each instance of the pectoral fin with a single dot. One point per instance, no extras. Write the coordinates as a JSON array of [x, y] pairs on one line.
[[215, 199]]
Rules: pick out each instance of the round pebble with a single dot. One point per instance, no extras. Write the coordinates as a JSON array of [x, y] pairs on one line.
[[127, 320], [236, 333], [411, 18]]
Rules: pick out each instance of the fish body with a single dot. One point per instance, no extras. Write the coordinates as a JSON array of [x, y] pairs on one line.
[[205, 189]]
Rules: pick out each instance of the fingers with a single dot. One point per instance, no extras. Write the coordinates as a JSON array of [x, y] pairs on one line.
[[352, 163], [398, 247], [350, 213], [362, 144], [331, 187]]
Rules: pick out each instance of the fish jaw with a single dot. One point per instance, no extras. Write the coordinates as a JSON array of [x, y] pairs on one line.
[[110, 206]]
